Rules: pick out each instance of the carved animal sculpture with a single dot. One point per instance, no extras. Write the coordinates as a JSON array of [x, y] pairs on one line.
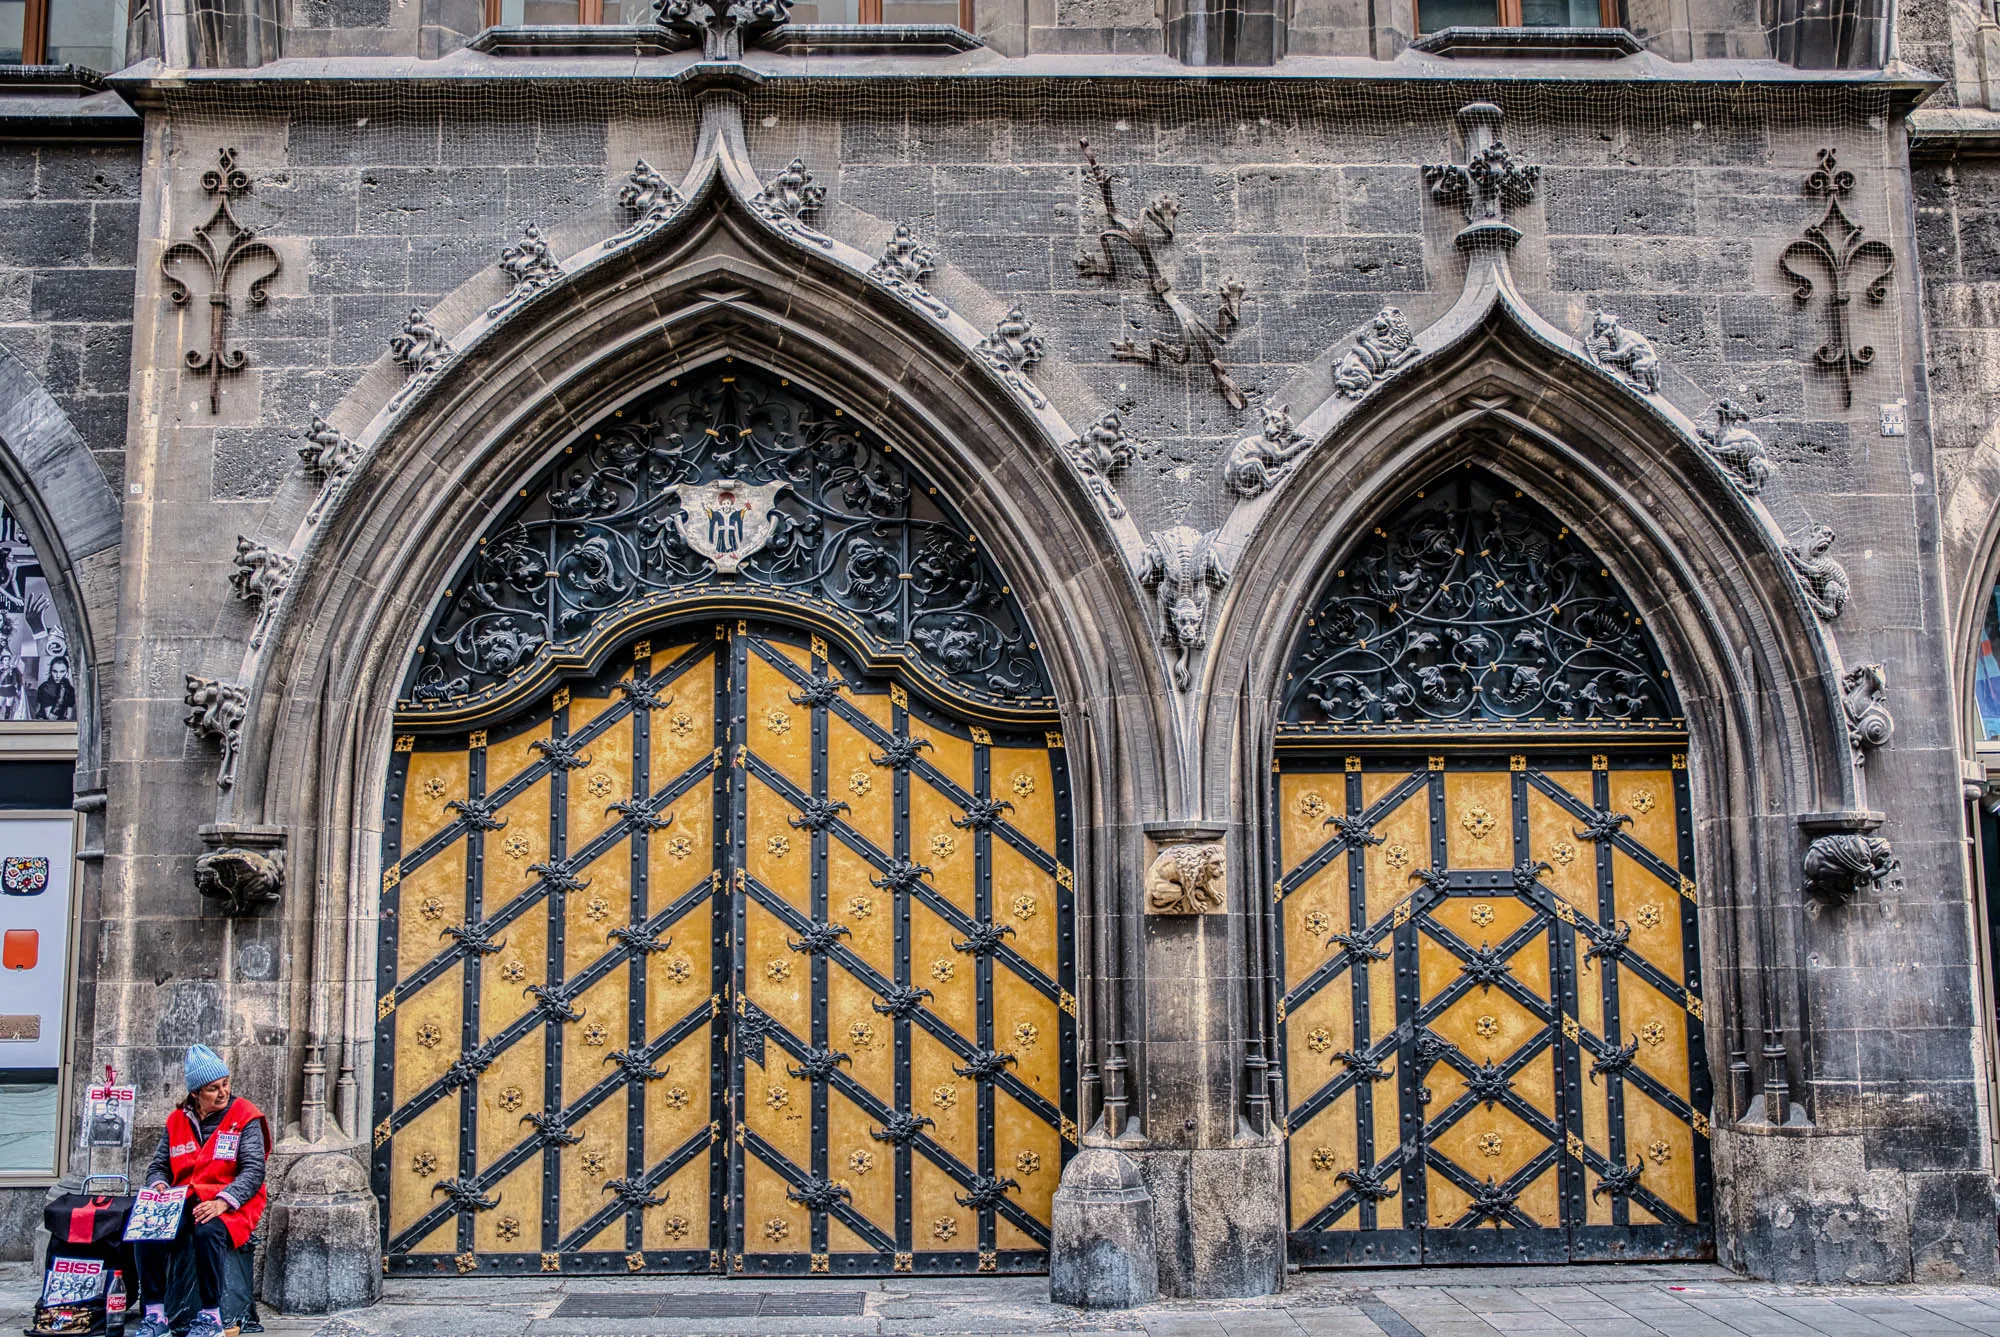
[[1384, 347], [1863, 691], [1257, 462], [1840, 867], [1183, 569], [1612, 345], [1185, 880], [1825, 580], [1737, 449], [240, 880]]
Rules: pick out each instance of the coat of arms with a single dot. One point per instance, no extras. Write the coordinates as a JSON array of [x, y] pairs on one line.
[[726, 521], [24, 875]]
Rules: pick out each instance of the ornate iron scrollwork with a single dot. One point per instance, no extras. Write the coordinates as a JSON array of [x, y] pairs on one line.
[[1471, 606], [604, 529], [220, 246]]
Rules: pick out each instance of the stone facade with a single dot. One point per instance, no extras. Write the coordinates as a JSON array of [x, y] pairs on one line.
[[1640, 281]]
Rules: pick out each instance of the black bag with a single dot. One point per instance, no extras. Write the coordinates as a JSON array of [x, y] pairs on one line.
[[83, 1228]]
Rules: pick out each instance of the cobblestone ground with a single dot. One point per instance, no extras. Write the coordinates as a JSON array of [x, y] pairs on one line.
[[1632, 1301]]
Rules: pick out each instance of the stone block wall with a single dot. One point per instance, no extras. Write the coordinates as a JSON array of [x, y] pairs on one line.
[[69, 229], [1670, 208]]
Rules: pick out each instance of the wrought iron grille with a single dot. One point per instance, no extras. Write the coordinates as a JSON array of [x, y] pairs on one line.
[[1470, 606], [730, 481]]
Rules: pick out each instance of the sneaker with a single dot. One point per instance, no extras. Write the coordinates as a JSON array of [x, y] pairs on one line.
[[252, 1325], [154, 1327], [205, 1327]]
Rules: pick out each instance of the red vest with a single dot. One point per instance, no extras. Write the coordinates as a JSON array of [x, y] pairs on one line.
[[208, 1167]]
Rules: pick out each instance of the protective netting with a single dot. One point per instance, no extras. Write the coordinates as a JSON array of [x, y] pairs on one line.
[[1668, 203]]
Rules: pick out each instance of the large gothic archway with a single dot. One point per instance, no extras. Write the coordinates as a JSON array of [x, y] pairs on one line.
[[728, 877], [1490, 1009]]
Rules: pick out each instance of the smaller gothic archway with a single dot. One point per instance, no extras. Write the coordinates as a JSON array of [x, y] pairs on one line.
[[728, 874], [1487, 933]]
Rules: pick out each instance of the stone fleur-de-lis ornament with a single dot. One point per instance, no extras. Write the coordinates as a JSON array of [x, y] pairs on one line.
[[1836, 244], [222, 247]]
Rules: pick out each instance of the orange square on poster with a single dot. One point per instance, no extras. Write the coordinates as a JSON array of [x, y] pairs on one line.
[[21, 949]]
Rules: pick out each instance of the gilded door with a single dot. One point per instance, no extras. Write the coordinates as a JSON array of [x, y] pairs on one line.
[[1491, 1007], [729, 958]]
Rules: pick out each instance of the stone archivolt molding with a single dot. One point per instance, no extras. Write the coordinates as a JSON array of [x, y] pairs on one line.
[[720, 177]]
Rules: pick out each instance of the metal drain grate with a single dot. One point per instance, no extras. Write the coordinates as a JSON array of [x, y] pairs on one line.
[[714, 1304]]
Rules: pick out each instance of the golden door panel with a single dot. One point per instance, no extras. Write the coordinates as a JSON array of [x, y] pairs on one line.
[[1490, 1013], [729, 958]]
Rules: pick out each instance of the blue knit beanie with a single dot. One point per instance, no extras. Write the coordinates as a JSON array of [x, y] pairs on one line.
[[204, 1065]]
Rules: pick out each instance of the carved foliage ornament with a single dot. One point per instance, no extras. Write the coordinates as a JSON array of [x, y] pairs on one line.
[[1012, 349], [1491, 182], [723, 26], [1836, 245], [420, 350], [329, 456], [529, 268], [221, 247], [1186, 880], [649, 197], [216, 710], [1199, 338], [1470, 605], [817, 509], [789, 199], [1840, 867], [259, 576], [905, 267]]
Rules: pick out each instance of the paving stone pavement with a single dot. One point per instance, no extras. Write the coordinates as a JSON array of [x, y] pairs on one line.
[[1652, 1300]]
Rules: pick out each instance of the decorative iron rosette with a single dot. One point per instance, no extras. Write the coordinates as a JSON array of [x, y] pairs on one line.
[[727, 485], [1470, 607]]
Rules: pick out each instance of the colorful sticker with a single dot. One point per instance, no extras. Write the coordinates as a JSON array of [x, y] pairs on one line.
[[24, 875]]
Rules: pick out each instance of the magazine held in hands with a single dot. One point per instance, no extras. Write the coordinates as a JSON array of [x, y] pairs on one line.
[[156, 1215]]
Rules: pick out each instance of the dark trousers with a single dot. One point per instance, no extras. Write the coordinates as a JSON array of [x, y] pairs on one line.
[[206, 1245]]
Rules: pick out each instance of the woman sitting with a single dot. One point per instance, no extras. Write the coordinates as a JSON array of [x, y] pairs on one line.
[[215, 1144]]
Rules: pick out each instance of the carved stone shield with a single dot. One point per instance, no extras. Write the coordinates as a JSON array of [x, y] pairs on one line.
[[726, 521]]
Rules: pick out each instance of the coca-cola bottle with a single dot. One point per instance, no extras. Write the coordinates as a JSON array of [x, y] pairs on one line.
[[114, 1306]]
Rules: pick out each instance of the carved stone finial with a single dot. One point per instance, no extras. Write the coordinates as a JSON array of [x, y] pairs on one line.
[[650, 197], [789, 199], [216, 710], [1840, 867], [1737, 449], [1490, 183], [1381, 351], [1629, 356], [1187, 880], [330, 457], [240, 880], [1012, 349], [1864, 699], [723, 25], [1103, 451], [1836, 244], [1183, 569], [905, 267], [1824, 579], [259, 576], [1259, 460], [529, 269], [1200, 339]]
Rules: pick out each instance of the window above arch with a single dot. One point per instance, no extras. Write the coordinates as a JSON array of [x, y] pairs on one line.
[[728, 488], [562, 12], [1470, 609]]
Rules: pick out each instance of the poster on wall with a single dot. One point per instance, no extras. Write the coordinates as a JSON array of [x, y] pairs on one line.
[[37, 678], [35, 856]]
